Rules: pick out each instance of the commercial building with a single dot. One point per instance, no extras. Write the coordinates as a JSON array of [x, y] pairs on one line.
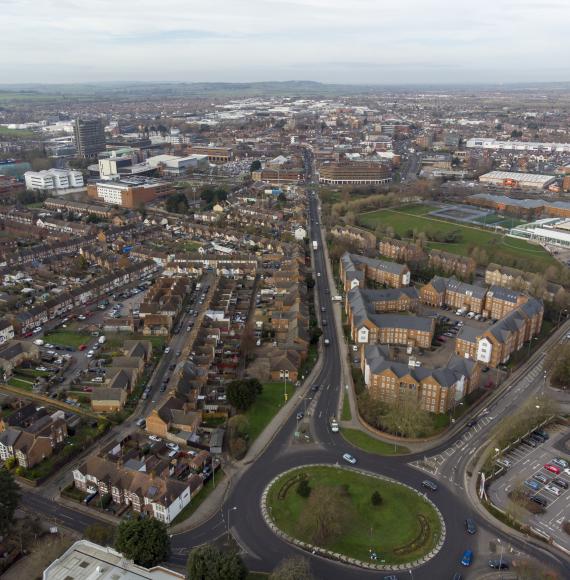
[[495, 345], [130, 192], [214, 154], [89, 137], [355, 270], [83, 560], [436, 390], [532, 146], [354, 173], [53, 179], [174, 165], [549, 231], [513, 179], [528, 208]]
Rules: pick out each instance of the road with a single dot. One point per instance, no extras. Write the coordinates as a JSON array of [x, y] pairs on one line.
[[241, 513]]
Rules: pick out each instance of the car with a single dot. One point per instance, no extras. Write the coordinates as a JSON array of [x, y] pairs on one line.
[[155, 438], [354, 347], [429, 484], [318, 274], [552, 468], [89, 354], [532, 484], [540, 477], [537, 438], [467, 558], [300, 416], [178, 353], [391, 577], [42, 369], [173, 446], [560, 462], [471, 423], [82, 347], [87, 389], [553, 489], [141, 422], [349, 458], [470, 526], [167, 350], [560, 482], [498, 564], [457, 576], [315, 388], [528, 441], [539, 500]]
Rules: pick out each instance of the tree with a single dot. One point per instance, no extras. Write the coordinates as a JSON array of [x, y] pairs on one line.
[[303, 488], [255, 166], [406, 417], [176, 203], [146, 542], [294, 568], [209, 563], [376, 498], [324, 515], [242, 393], [238, 432], [9, 498], [101, 534]]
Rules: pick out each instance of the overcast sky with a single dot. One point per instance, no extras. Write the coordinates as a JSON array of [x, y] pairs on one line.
[[352, 41]]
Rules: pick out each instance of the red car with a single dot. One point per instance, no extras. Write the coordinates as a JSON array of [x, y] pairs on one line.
[[552, 468], [87, 389], [82, 347]]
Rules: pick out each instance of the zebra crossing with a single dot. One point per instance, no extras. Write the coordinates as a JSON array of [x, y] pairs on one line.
[[433, 464]]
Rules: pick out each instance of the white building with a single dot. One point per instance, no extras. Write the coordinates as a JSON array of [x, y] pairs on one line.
[[177, 165], [487, 143], [85, 560], [53, 179], [546, 232]]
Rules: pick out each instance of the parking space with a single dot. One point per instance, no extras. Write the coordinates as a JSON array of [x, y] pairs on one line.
[[542, 472]]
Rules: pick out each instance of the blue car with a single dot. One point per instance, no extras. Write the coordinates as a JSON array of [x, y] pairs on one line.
[[532, 484], [467, 558]]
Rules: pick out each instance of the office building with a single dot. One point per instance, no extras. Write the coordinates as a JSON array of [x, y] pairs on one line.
[[53, 179], [129, 192], [89, 137]]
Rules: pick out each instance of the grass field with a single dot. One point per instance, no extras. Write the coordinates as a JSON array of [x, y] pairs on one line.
[[67, 338], [367, 443], [189, 246], [5, 132], [20, 383], [382, 528], [500, 249], [266, 406]]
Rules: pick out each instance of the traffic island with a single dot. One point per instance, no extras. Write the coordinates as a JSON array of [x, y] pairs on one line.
[[353, 516]]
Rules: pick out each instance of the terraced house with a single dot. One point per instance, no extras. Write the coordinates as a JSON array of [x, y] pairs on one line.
[[368, 327], [356, 271], [436, 390], [495, 345]]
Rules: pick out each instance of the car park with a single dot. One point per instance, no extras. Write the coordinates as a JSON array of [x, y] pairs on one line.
[[349, 458]]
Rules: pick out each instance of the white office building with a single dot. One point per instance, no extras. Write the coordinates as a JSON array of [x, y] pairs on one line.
[[53, 179], [533, 146]]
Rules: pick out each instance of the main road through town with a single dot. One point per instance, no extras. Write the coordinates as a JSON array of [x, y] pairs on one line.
[[241, 513]]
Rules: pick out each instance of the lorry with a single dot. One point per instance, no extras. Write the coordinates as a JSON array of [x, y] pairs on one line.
[[315, 245], [333, 425]]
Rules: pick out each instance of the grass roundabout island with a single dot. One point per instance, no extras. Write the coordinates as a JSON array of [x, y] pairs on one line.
[[349, 513]]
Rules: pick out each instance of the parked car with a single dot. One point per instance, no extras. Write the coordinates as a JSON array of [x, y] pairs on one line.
[[560, 482], [300, 416], [560, 462], [532, 484], [155, 438], [539, 500], [552, 468], [553, 489], [540, 477]]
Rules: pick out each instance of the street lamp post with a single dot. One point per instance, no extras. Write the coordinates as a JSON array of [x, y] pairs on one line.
[[284, 375], [229, 512]]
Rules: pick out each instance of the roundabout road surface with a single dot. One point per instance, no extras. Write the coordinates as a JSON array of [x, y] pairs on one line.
[[263, 550]]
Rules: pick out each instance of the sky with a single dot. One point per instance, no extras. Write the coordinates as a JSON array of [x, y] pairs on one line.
[[337, 41]]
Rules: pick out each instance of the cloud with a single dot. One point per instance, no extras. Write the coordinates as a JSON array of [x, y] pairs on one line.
[[329, 40]]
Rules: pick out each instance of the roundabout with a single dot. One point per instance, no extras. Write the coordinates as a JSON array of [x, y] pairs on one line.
[[353, 516]]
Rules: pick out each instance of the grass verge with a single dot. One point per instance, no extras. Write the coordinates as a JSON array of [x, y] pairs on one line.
[[67, 338], [196, 502], [346, 414], [369, 444], [266, 406]]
